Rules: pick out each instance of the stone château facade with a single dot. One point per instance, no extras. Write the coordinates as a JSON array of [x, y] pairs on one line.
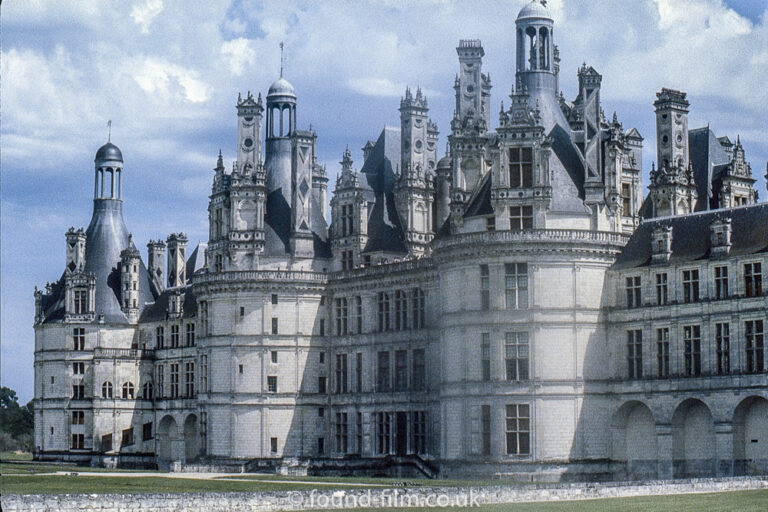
[[514, 308]]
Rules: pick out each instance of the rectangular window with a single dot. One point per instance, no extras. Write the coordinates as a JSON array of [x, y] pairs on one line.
[[635, 353], [419, 430], [418, 309], [341, 373], [321, 384], [520, 217], [383, 371], [721, 282], [755, 346], [347, 260], [78, 337], [204, 317], [359, 372], [81, 302], [322, 327], [633, 289], [78, 391], [174, 336], [160, 337], [341, 316], [273, 356], [485, 413], [189, 379], [146, 431], [218, 225], [419, 381], [521, 167], [401, 310], [106, 443], [359, 432], [753, 280], [78, 441], [272, 384], [78, 417], [274, 298], [347, 218], [516, 284], [78, 368], [175, 380], [401, 370], [626, 198], [490, 223], [723, 346], [359, 314], [190, 335], [690, 285], [485, 287], [320, 445], [518, 429], [662, 351], [383, 300], [662, 289], [485, 356], [274, 325], [273, 444], [692, 349], [516, 355], [342, 430], [321, 412], [383, 432], [127, 437]]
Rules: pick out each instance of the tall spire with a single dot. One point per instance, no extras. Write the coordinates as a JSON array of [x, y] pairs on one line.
[[281, 59], [109, 134]]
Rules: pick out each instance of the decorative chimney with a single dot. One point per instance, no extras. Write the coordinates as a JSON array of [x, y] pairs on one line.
[[661, 243], [720, 236]]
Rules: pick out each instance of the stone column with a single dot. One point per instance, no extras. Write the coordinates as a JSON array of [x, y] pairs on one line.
[[665, 451], [724, 448]]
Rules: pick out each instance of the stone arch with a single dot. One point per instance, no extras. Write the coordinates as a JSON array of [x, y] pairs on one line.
[[750, 436], [191, 438], [633, 430], [167, 439], [693, 440]]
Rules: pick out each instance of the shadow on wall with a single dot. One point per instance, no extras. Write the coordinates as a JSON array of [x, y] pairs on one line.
[[662, 434]]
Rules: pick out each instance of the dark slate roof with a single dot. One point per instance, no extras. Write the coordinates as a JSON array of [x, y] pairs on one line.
[[157, 311], [567, 173], [691, 235], [705, 151], [108, 152], [384, 230], [480, 203], [277, 225], [106, 237], [196, 261]]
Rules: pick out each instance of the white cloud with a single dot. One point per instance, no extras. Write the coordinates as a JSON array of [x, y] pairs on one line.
[[143, 14], [240, 53], [236, 25]]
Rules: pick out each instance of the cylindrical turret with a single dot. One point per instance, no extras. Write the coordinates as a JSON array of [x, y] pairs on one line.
[[281, 123]]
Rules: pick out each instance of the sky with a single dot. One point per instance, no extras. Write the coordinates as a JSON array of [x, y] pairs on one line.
[[167, 74]]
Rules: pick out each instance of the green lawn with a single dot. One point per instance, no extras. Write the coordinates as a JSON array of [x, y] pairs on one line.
[[736, 501], [66, 484], [20, 468], [15, 456], [388, 481]]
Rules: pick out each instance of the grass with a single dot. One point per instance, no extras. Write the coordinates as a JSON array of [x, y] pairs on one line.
[[23, 468], [388, 481], [25, 456], [67, 484], [734, 501]]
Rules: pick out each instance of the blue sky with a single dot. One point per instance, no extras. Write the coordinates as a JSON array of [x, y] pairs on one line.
[[167, 73]]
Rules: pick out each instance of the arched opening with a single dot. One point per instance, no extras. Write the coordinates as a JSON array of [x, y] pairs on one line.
[[750, 436], [520, 50], [544, 48], [167, 438], [634, 440], [191, 438], [532, 48], [693, 440]]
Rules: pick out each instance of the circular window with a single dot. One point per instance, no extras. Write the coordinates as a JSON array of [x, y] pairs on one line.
[[248, 142], [665, 139], [418, 144], [679, 137], [470, 88]]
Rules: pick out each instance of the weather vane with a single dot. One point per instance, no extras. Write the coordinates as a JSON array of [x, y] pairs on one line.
[[109, 127], [281, 59]]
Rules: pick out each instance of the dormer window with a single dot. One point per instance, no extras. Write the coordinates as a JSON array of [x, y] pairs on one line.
[[521, 167], [80, 301], [346, 219]]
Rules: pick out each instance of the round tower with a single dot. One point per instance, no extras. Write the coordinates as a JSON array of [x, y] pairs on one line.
[[535, 50]]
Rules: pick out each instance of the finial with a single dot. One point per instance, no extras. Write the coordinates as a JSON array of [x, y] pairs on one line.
[[281, 59], [109, 134]]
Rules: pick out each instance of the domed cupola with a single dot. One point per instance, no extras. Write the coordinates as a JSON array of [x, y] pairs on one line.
[[281, 109], [535, 9], [109, 152], [281, 87]]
